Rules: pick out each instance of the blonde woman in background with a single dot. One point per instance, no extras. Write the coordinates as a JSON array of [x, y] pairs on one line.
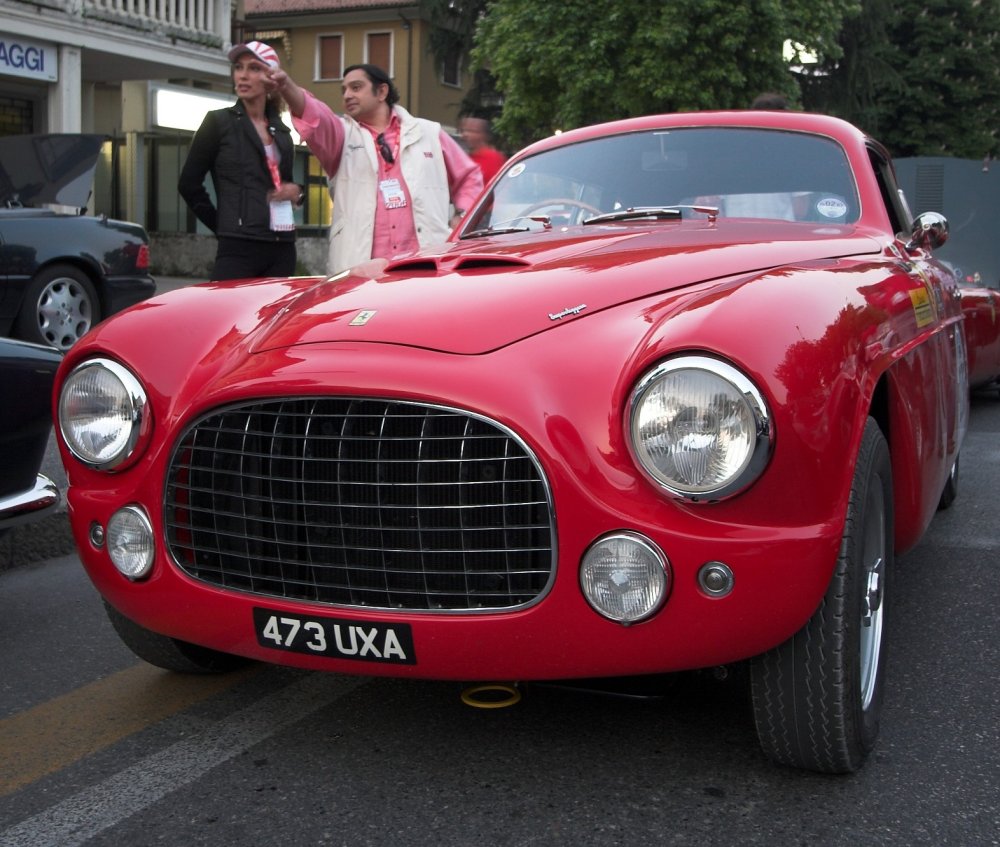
[[248, 151]]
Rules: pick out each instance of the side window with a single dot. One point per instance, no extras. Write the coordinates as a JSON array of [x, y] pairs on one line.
[[892, 196], [330, 57]]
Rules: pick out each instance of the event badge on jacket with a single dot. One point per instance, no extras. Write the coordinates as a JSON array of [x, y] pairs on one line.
[[282, 214], [392, 193]]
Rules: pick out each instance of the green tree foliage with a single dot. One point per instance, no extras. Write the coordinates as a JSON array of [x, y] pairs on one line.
[[923, 76], [852, 85], [560, 65]]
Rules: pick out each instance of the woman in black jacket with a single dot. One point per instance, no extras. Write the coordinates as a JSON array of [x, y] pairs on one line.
[[249, 152]]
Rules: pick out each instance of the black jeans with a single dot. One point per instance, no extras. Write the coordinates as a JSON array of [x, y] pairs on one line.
[[242, 258]]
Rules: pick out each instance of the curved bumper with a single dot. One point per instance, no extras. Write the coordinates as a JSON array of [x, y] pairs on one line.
[[30, 504]]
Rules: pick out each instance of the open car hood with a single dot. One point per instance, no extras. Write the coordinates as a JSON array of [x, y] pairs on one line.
[[58, 169], [470, 299]]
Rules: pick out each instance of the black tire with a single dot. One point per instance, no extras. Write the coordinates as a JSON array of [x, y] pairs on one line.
[[817, 698], [60, 305], [170, 653], [950, 490]]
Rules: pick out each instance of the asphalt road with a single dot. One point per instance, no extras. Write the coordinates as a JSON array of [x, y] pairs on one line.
[[99, 749]]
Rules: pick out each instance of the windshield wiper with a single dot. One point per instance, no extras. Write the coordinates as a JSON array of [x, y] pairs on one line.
[[492, 230], [638, 212], [635, 213], [501, 228]]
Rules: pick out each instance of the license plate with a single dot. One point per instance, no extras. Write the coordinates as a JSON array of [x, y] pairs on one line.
[[336, 638]]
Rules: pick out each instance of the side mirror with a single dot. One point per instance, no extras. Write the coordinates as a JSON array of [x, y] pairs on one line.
[[930, 231]]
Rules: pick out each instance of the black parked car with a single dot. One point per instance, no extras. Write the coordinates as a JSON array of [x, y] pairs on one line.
[[26, 374], [62, 272]]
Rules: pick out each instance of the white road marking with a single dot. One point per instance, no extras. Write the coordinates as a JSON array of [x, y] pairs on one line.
[[89, 812]]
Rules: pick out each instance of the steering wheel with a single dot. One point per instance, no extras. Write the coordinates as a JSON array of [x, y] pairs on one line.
[[579, 205]]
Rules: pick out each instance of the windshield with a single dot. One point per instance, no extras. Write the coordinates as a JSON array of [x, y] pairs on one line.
[[692, 172]]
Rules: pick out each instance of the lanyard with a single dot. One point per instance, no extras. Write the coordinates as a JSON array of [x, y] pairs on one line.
[[272, 166]]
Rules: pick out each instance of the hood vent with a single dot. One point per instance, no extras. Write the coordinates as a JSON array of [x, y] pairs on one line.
[[490, 263], [413, 266], [472, 262]]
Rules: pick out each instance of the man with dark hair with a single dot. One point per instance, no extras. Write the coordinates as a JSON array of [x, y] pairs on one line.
[[393, 177]]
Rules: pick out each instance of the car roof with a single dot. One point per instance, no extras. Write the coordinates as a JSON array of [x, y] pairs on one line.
[[810, 122]]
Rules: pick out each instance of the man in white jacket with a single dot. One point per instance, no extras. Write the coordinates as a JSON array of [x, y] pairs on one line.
[[393, 177]]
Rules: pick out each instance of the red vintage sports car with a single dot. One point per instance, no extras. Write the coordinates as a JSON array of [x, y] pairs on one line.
[[672, 396], [981, 305]]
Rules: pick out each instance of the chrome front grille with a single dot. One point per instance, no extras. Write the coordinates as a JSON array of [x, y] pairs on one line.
[[361, 502]]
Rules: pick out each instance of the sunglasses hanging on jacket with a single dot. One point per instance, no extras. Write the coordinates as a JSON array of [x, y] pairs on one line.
[[385, 149]]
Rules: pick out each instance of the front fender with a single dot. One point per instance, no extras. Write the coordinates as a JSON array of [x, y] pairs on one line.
[[819, 341]]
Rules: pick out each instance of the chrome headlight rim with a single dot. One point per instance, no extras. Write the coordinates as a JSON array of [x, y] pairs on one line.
[[758, 455], [130, 542], [139, 420], [660, 573]]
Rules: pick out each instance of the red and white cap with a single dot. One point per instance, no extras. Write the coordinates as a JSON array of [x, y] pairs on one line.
[[265, 52]]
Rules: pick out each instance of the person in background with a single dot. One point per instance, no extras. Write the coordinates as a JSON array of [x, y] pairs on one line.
[[771, 101], [478, 139], [393, 177], [248, 151]]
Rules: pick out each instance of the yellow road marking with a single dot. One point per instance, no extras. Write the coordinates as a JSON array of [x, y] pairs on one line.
[[61, 731]]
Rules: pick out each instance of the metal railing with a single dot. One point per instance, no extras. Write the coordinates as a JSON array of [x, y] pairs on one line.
[[202, 21]]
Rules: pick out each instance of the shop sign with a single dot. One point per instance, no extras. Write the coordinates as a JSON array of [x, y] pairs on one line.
[[28, 59]]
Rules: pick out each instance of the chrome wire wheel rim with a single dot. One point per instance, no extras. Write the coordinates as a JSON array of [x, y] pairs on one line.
[[873, 555]]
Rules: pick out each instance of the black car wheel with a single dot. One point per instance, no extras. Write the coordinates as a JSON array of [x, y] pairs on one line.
[[170, 653], [60, 306], [817, 698]]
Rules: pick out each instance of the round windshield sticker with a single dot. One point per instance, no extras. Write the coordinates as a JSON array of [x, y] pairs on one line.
[[831, 207], [517, 170]]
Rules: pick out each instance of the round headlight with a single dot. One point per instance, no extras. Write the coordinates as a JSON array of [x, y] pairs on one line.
[[699, 428], [130, 542], [102, 413], [625, 577]]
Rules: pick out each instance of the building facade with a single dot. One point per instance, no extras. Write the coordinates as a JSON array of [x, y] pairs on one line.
[[88, 66], [144, 72]]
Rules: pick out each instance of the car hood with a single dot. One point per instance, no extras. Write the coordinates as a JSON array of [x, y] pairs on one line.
[[56, 169], [472, 297]]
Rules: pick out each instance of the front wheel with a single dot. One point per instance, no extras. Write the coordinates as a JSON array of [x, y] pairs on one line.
[[60, 305], [950, 490], [170, 653], [817, 698]]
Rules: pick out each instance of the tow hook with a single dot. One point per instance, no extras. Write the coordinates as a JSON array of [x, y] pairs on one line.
[[491, 695]]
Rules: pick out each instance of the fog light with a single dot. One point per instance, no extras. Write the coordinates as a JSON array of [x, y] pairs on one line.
[[130, 542], [715, 579], [625, 577]]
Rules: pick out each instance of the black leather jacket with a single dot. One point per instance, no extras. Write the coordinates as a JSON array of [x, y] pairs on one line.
[[227, 146]]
